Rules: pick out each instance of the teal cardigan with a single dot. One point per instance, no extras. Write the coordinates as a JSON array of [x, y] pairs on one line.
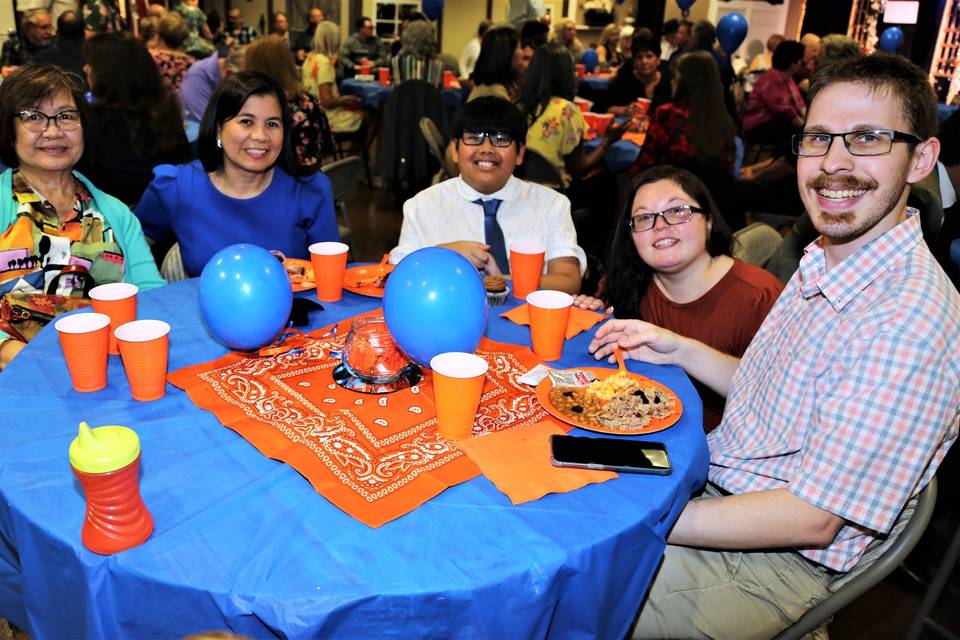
[[141, 270]]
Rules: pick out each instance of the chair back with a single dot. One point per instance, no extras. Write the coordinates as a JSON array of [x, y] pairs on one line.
[[343, 175], [536, 168], [431, 133], [756, 243], [889, 554], [404, 156], [172, 269]]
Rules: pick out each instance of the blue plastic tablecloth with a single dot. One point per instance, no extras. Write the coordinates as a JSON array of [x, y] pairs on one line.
[[372, 94], [619, 157], [244, 543], [944, 111], [593, 83]]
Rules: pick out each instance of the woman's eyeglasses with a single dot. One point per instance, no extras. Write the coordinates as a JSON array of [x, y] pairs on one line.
[[672, 216], [497, 139], [37, 121]]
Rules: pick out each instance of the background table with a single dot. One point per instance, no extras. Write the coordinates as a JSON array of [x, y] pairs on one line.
[[244, 543], [373, 94], [620, 156]]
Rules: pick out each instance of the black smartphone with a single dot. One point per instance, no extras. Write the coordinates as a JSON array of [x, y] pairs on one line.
[[616, 454]]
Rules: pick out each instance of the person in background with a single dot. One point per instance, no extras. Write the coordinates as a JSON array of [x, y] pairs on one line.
[[101, 16], [468, 59], [136, 117], [811, 58], [498, 67], [310, 134], [363, 44], [836, 46], [522, 11], [645, 77], [305, 39], [705, 39], [156, 10], [203, 77], [172, 62], [37, 29], [534, 34], [670, 265], [608, 46], [775, 108], [565, 32], [199, 40], [66, 51], [484, 210], [241, 33], [150, 31], [668, 38], [682, 39], [555, 125], [280, 27], [418, 58], [221, 41], [245, 187], [52, 217], [319, 79], [764, 60]]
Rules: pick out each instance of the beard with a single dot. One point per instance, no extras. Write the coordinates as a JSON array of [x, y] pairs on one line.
[[843, 226]]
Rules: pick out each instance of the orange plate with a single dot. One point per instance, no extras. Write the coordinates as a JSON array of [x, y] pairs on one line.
[[354, 274], [307, 283], [655, 424]]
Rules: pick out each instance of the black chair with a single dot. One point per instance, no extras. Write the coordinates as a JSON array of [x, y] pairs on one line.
[[536, 168], [343, 175], [405, 158]]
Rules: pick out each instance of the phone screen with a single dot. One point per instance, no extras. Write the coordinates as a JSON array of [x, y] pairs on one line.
[[610, 453]]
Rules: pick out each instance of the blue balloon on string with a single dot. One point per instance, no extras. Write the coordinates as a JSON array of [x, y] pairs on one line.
[[891, 39], [433, 9], [590, 59], [731, 31], [435, 302], [685, 5]]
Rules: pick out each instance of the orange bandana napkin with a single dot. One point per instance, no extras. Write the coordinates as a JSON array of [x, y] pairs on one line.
[[636, 137], [580, 319], [376, 457], [517, 461]]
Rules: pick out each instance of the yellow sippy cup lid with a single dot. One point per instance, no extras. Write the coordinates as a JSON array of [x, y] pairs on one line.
[[103, 449]]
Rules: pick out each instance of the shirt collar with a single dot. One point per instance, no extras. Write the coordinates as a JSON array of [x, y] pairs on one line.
[[842, 283], [507, 193]]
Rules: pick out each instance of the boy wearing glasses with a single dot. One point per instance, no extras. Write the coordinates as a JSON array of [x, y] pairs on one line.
[[848, 397], [484, 210]]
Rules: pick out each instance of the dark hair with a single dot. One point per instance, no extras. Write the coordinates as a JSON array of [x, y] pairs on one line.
[[700, 90], [70, 25], [786, 54], [125, 77], [550, 74], [627, 275], [270, 55], [495, 62], [704, 34], [225, 103], [644, 40], [886, 74], [25, 88], [489, 115], [214, 21], [482, 27], [670, 27], [359, 23], [534, 34]]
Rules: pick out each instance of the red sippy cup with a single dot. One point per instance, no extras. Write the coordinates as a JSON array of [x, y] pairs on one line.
[[105, 460]]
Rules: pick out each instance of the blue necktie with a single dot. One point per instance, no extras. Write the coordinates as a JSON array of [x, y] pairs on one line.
[[493, 234]]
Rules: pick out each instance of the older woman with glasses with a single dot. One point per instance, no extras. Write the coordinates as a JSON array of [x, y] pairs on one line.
[[670, 266], [60, 234]]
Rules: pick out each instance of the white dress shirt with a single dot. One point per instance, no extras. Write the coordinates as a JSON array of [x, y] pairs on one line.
[[468, 59], [447, 212]]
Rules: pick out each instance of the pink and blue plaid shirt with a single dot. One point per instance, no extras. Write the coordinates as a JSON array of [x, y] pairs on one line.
[[849, 395]]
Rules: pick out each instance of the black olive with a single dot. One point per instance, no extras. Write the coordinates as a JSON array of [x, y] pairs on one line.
[[643, 397], [576, 408], [568, 394]]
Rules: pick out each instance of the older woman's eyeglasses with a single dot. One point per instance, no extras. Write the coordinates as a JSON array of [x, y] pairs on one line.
[[672, 216], [866, 142], [37, 121]]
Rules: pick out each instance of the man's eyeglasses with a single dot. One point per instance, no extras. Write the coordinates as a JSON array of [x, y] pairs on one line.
[[37, 121], [497, 139], [868, 142], [672, 216]]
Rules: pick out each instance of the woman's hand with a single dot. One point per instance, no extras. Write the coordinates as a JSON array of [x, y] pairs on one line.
[[350, 101], [615, 131], [638, 340], [591, 304]]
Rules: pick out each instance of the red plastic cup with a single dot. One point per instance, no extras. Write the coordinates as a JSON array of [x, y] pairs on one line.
[[581, 70], [119, 301], [582, 104], [84, 338], [457, 386], [549, 315], [384, 75], [365, 66], [526, 267], [448, 79], [602, 121], [642, 106]]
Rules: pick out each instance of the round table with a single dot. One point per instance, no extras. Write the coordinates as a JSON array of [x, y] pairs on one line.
[[373, 94], [244, 543]]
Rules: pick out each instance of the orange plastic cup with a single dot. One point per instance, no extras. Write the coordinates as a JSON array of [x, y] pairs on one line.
[[119, 301], [581, 70], [602, 121], [447, 79], [591, 119], [549, 314], [526, 266], [84, 338], [457, 385], [384, 75], [329, 260], [143, 346]]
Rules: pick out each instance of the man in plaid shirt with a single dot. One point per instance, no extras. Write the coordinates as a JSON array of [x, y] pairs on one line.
[[848, 397]]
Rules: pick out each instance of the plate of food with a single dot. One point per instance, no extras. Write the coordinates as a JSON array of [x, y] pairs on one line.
[[367, 280], [300, 273], [617, 402]]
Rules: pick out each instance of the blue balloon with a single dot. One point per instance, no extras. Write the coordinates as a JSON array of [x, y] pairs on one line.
[[891, 39], [435, 302], [590, 59], [685, 5], [731, 30], [245, 297], [433, 9]]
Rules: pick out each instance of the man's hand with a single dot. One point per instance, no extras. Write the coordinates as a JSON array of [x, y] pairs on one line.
[[476, 252], [638, 340]]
